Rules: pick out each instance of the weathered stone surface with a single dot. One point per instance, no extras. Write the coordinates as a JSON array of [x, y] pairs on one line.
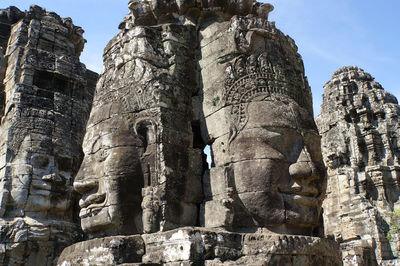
[[3, 68], [359, 124], [257, 112], [181, 75], [199, 246], [45, 99], [141, 171], [104, 251], [147, 13], [8, 17]]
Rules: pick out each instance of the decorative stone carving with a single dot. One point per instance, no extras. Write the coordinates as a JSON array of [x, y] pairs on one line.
[[359, 123], [177, 77], [141, 171], [259, 122], [46, 98]]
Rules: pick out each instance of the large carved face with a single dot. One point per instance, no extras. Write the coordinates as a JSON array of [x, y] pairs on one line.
[[41, 179], [277, 166], [110, 180]]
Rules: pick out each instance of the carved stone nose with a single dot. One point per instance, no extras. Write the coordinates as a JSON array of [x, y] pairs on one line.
[[304, 168], [53, 178], [85, 185]]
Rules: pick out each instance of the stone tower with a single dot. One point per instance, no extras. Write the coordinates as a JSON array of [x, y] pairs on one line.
[[359, 124], [46, 95]]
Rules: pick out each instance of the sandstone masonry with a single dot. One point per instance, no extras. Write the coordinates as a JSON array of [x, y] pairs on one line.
[[179, 76], [128, 145], [45, 97], [359, 124]]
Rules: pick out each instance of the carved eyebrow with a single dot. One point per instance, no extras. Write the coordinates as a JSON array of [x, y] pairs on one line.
[[96, 145], [278, 129], [271, 133], [103, 139]]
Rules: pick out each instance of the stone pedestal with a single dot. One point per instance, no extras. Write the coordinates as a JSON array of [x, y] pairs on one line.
[[200, 246]]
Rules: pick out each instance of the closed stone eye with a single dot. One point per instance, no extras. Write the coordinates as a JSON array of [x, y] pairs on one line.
[[40, 161], [102, 154]]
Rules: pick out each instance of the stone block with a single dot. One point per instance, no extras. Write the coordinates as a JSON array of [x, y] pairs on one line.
[[199, 246], [219, 212], [218, 181], [218, 124], [104, 251]]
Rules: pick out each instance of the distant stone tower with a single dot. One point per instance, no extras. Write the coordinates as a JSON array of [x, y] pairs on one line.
[[359, 124], [45, 99]]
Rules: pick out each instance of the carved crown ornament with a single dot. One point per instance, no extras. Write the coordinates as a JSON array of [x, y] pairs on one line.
[[250, 77]]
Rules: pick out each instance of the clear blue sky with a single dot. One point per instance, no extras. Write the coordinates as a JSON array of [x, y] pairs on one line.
[[329, 33]]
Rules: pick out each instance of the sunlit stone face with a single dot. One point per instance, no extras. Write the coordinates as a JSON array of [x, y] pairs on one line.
[[41, 179], [277, 166], [110, 180], [52, 183]]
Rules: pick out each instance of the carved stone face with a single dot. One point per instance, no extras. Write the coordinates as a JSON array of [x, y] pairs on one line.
[[277, 167], [41, 180], [110, 180]]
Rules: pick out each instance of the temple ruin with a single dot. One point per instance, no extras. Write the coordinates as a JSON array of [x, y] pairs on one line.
[[110, 169], [178, 78], [359, 124], [46, 95]]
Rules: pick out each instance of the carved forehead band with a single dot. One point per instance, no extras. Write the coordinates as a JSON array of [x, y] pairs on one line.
[[253, 77]]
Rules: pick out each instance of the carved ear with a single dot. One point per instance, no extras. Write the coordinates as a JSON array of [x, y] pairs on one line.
[[146, 130], [233, 132], [4, 195]]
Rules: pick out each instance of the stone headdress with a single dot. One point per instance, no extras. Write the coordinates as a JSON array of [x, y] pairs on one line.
[[254, 76]]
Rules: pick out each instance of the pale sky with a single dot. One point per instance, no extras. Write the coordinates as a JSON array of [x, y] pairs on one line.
[[329, 33]]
